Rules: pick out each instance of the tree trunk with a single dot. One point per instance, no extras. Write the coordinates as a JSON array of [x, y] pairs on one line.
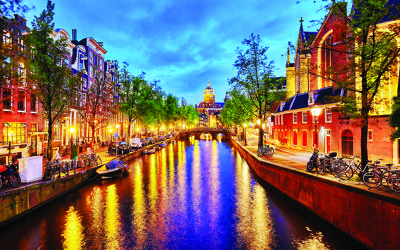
[[49, 152]]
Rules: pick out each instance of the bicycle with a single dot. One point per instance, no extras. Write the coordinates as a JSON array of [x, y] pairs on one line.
[[346, 171], [267, 149], [376, 175]]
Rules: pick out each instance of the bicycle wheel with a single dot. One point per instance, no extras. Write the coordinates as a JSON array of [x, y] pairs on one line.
[[373, 178], [98, 160], [310, 166], [270, 151], [259, 152], [321, 166], [394, 181], [343, 171]]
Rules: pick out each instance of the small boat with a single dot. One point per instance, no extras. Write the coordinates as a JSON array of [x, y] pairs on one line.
[[112, 169], [163, 144], [149, 151]]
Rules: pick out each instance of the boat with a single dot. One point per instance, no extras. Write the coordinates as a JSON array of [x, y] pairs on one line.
[[112, 169], [163, 144], [149, 151]]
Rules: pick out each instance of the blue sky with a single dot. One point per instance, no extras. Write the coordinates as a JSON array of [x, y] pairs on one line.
[[183, 44]]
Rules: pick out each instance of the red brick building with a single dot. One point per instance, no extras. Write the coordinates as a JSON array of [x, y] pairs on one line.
[[318, 59]]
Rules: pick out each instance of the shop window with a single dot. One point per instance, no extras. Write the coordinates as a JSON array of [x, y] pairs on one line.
[[16, 132]]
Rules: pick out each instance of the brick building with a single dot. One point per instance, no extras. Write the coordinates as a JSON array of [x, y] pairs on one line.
[[318, 59]]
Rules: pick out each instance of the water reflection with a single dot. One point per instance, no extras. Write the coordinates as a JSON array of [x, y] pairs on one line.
[[190, 195], [73, 231]]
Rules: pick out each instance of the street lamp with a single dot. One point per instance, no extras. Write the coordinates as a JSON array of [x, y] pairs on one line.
[[245, 139], [9, 145], [110, 129], [315, 111], [72, 131]]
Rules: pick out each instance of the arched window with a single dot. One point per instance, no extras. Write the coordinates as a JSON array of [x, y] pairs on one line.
[[327, 62]]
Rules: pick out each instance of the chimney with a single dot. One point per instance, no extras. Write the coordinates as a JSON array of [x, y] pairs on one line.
[[100, 43], [74, 35]]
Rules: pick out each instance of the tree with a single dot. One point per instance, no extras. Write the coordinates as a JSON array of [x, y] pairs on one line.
[[170, 109], [98, 105], [53, 81], [235, 111], [188, 114], [372, 51], [255, 79], [130, 94]]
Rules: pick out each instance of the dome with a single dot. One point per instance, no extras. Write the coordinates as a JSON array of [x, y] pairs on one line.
[[209, 90]]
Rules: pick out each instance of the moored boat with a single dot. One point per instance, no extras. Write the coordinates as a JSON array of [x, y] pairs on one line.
[[149, 151], [112, 169]]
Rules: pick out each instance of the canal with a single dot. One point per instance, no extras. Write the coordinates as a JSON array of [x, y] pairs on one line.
[[189, 195]]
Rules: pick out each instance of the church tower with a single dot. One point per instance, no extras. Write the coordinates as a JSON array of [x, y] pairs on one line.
[[209, 95]]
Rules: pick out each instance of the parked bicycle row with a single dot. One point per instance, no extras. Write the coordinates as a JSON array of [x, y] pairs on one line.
[[374, 174], [55, 169]]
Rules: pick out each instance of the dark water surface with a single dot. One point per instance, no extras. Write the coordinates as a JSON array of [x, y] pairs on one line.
[[190, 195]]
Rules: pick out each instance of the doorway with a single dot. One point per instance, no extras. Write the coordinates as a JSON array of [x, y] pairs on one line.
[[347, 143]]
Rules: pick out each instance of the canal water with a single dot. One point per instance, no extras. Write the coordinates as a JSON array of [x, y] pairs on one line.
[[189, 195]]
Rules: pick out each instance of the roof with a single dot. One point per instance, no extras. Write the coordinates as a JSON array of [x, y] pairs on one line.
[[300, 101]]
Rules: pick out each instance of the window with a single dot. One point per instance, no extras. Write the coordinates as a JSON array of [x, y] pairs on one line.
[[304, 139], [34, 103], [370, 135], [294, 137], [56, 132], [21, 101], [34, 127], [282, 119], [304, 117], [328, 115], [294, 118], [16, 133], [7, 99]]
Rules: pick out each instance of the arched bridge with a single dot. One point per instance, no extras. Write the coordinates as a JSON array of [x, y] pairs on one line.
[[196, 132]]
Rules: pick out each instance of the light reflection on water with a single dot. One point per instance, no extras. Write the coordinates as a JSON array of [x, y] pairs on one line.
[[189, 195]]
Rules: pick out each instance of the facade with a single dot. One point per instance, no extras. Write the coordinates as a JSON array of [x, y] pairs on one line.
[[209, 110], [317, 60], [21, 124]]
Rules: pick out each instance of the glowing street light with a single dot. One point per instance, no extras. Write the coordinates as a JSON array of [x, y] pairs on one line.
[[315, 111]]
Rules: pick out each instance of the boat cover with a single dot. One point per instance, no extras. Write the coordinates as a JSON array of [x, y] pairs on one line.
[[114, 164]]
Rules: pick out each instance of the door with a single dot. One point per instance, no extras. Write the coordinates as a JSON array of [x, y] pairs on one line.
[[328, 141], [34, 145], [347, 143]]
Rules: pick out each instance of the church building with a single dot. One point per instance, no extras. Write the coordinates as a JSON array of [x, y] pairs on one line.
[[209, 110]]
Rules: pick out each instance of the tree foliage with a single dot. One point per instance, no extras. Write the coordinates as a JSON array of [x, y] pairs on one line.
[[255, 79], [51, 79], [235, 110]]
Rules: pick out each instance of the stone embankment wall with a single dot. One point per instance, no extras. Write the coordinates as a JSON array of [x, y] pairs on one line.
[[17, 202], [371, 217]]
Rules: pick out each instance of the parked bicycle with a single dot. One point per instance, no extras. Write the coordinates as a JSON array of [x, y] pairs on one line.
[[266, 150], [315, 162]]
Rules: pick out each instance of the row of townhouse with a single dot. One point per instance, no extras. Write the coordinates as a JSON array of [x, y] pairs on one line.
[[309, 90], [24, 130]]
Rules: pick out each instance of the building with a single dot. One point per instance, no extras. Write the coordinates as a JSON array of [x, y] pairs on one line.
[[209, 110], [311, 86], [21, 123]]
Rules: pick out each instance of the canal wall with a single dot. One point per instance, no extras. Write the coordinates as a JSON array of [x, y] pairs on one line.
[[371, 217], [17, 202]]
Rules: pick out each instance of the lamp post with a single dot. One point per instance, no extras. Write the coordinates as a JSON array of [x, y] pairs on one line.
[[245, 139], [110, 129], [315, 111], [72, 131], [9, 145]]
